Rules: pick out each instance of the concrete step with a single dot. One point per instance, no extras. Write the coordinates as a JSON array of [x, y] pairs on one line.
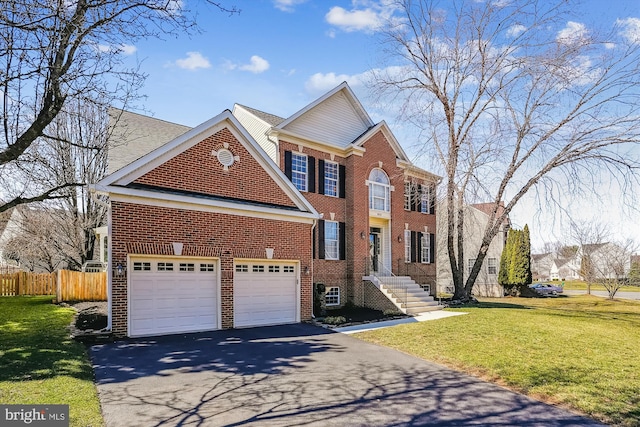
[[417, 310], [416, 299]]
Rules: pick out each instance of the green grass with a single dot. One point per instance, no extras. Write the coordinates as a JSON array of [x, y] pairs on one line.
[[582, 352], [41, 364], [578, 285]]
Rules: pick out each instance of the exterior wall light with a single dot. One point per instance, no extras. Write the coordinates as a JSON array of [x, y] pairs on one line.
[[120, 269]]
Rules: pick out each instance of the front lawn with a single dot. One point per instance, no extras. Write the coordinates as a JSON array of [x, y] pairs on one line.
[[582, 352], [41, 364], [579, 285]]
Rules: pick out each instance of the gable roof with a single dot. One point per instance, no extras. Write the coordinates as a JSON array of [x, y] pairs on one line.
[[121, 182], [270, 119], [537, 257], [336, 120], [133, 135], [350, 97], [488, 208], [384, 128]]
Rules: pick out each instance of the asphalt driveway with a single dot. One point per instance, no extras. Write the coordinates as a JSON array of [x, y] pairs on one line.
[[296, 375]]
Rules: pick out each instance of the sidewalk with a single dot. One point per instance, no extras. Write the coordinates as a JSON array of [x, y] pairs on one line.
[[422, 317]]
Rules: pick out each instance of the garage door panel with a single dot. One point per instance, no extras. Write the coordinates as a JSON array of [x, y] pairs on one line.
[[265, 293], [176, 301]]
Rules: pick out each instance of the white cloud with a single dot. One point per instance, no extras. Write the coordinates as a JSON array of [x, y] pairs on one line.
[[573, 33], [287, 5], [128, 49], [516, 30], [193, 61], [630, 29], [354, 20], [366, 15], [256, 66], [610, 45], [321, 83]]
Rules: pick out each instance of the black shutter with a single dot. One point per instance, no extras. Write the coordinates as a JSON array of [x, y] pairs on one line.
[[414, 246], [311, 174], [342, 174], [432, 248], [342, 240], [314, 240], [321, 176], [432, 200], [321, 239], [287, 164], [419, 247]]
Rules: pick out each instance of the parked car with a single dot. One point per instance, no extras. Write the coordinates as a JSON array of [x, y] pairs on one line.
[[546, 288], [94, 267]]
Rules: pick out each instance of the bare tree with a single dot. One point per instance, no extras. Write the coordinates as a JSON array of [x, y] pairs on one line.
[[588, 237], [36, 245], [55, 51], [612, 265], [510, 98], [76, 151]]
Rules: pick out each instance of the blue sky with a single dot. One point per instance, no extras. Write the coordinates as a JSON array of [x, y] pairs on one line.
[[279, 55]]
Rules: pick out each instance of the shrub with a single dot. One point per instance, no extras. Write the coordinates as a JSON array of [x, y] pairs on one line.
[[335, 320], [391, 312]]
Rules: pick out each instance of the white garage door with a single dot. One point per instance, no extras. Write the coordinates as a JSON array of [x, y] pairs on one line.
[[264, 293], [172, 295]]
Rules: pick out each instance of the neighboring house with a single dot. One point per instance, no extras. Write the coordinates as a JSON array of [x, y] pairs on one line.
[[607, 260], [476, 219], [230, 223], [9, 227], [541, 266], [564, 269]]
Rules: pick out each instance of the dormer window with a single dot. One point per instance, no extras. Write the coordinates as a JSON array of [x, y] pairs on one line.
[[379, 191]]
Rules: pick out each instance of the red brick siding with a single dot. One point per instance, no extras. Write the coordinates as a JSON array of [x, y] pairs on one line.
[[204, 234], [196, 169], [354, 211], [329, 272]]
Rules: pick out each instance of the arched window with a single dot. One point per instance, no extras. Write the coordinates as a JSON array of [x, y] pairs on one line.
[[379, 190]]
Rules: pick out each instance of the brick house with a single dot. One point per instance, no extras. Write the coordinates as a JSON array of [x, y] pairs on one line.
[[377, 208], [230, 224]]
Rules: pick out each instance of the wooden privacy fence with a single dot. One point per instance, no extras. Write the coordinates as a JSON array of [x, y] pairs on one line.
[[66, 285]]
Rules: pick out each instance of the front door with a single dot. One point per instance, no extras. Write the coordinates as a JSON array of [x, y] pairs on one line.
[[374, 249]]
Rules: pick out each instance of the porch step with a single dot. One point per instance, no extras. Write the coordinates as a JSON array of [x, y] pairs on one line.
[[407, 295]]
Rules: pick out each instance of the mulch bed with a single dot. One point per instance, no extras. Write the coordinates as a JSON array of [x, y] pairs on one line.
[[91, 315], [356, 315]]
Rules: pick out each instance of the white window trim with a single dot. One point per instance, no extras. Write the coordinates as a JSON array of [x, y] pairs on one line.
[[328, 294], [328, 256], [386, 190], [425, 252], [336, 179], [305, 173], [407, 196], [407, 245], [425, 196], [470, 265], [386, 199], [495, 265]]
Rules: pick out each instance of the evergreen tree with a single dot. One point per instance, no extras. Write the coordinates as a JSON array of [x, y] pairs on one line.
[[527, 249], [505, 261], [515, 262]]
